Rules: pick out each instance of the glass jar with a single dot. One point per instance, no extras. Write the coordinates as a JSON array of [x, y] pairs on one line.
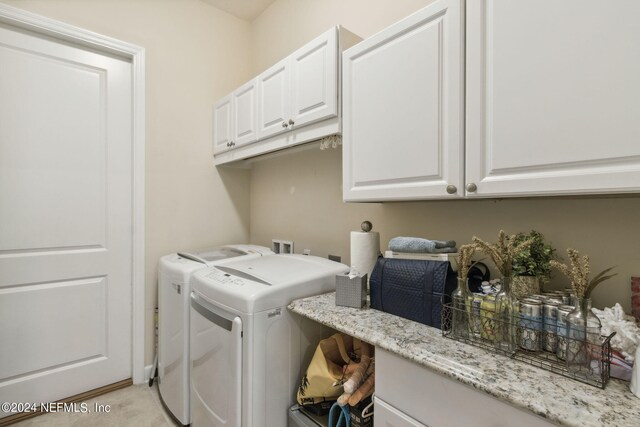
[[459, 318], [583, 336], [506, 316]]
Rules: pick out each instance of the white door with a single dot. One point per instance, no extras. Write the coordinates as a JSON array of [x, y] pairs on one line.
[[222, 124], [403, 109], [274, 100], [553, 98], [244, 120], [314, 82], [65, 219]]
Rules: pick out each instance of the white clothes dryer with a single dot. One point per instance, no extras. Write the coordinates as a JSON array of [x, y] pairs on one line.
[[246, 346], [174, 286]]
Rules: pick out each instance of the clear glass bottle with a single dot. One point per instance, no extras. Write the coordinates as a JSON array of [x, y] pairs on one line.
[[459, 319], [583, 336], [507, 312]]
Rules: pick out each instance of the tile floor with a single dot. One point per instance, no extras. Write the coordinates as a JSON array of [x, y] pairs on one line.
[[137, 405]]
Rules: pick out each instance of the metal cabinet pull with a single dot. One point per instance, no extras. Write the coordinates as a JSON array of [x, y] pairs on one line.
[[471, 187], [452, 189], [285, 125]]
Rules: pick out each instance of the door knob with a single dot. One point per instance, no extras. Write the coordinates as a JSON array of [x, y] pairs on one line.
[[471, 187], [452, 189], [285, 125]]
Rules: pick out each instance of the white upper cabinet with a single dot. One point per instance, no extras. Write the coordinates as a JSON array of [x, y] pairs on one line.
[[244, 114], [222, 125], [314, 80], [550, 104], [403, 109], [553, 97], [274, 100], [295, 101], [301, 89], [234, 119]]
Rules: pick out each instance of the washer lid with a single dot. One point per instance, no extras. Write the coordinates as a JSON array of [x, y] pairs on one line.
[[255, 284], [216, 254]]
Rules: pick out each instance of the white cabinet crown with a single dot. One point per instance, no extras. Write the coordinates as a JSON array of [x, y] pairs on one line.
[[295, 101]]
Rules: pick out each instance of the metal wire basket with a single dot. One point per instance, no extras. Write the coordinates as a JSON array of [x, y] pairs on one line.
[[587, 361]]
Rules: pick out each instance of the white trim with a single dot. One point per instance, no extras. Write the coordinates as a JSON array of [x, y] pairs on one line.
[[59, 30], [147, 372]]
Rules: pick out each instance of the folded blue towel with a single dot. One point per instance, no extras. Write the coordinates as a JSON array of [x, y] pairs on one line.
[[418, 245]]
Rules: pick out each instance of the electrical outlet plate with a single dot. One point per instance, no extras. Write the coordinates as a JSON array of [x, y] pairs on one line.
[[279, 246]]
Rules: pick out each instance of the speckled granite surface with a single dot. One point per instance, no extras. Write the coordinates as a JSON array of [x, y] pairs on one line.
[[561, 400]]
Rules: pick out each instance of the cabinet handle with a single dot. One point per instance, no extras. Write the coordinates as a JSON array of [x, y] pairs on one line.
[[471, 187], [452, 189], [285, 125], [291, 122], [233, 144], [228, 144]]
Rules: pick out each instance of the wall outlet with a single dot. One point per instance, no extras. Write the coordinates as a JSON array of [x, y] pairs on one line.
[[282, 246]]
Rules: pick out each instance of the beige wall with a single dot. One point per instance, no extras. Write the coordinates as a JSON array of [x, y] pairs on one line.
[[195, 55], [299, 196], [288, 24]]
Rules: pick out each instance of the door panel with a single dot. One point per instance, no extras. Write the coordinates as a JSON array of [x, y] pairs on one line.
[[547, 113], [403, 104], [313, 78], [274, 100], [244, 114], [65, 218], [40, 345], [222, 125]]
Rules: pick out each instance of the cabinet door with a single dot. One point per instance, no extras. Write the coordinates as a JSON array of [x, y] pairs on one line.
[[388, 416], [553, 98], [244, 114], [274, 99], [314, 82], [222, 124], [403, 109]]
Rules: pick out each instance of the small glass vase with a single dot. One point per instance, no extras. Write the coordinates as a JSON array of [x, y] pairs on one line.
[[507, 312], [460, 320], [583, 336]]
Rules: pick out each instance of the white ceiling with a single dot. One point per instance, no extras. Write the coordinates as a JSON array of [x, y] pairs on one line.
[[243, 9]]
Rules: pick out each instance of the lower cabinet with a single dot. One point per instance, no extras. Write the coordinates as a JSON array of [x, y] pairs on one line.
[[388, 416], [408, 394]]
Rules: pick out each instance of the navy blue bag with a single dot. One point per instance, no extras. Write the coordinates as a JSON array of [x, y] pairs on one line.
[[413, 289]]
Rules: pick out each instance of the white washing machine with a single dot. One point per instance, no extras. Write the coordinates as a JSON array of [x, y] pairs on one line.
[[174, 274], [246, 347]]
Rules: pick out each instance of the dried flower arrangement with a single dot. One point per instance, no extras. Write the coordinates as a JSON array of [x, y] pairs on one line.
[[503, 252], [578, 273], [464, 259]]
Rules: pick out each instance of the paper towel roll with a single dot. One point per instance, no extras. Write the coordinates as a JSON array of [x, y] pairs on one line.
[[365, 248]]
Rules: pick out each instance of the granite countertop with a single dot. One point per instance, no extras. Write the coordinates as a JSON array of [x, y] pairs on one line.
[[560, 400]]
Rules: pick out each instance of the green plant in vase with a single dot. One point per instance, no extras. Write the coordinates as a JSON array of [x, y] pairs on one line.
[[502, 254], [531, 264], [583, 327]]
